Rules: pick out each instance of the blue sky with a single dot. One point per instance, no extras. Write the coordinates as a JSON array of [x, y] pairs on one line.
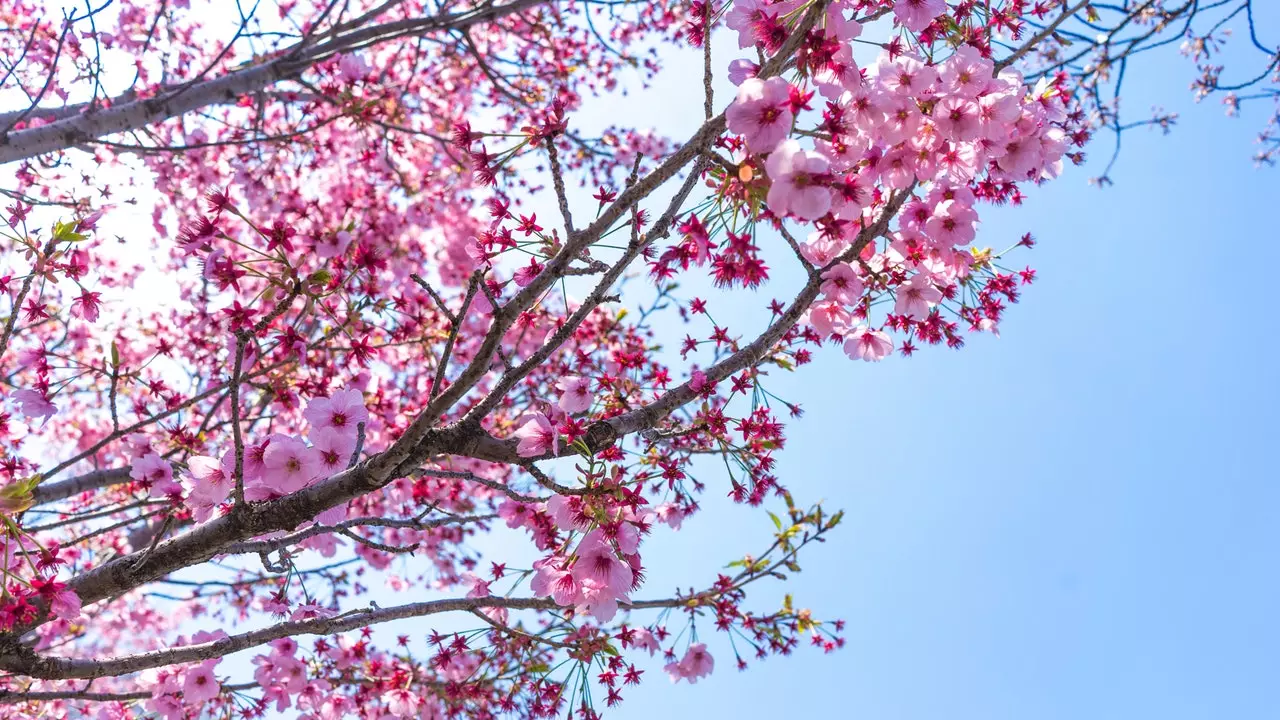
[[1078, 519]]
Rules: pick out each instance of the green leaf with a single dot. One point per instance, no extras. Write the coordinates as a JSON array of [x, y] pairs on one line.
[[777, 523], [66, 232]]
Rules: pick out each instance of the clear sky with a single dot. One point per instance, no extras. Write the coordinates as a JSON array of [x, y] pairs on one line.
[[1079, 519]]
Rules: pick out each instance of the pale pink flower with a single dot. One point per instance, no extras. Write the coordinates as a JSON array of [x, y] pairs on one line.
[[741, 69], [797, 176], [402, 703], [761, 113], [537, 437], [343, 411], [565, 512], [34, 404], [839, 75], [966, 73], [551, 580], [575, 393], [598, 561], [917, 14], [742, 18], [867, 344], [697, 663], [645, 640], [907, 77], [335, 447], [289, 465], [828, 317], [210, 484], [331, 246], [353, 67], [917, 297], [157, 473], [841, 283], [597, 600], [957, 118], [65, 605], [671, 514], [822, 249], [199, 685], [952, 224], [516, 513]]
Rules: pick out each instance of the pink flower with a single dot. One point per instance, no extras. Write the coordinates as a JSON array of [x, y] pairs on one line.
[[917, 297], [210, 484], [566, 512], [65, 605], [537, 437], [353, 68], [157, 474], [335, 245], [828, 317], [598, 561], [917, 14], [761, 113], [402, 703], [526, 274], [957, 118], [867, 344], [575, 393], [697, 663], [742, 18], [34, 404], [199, 685], [644, 640], [597, 600], [842, 284], [797, 176], [741, 69], [289, 465], [343, 411], [335, 448], [951, 224], [966, 73], [551, 580], [516, 513], [670, 514], [86, 306], [839, 75]]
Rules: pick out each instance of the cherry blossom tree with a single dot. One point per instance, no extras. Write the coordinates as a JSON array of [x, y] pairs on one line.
[[285, 341]]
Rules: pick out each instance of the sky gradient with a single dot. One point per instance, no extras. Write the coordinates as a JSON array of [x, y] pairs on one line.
[[1078, 519]]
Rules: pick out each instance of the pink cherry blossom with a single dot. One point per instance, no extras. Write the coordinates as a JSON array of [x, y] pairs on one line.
[[917, 297], [867, 344], [34, 404], [402, 703], [157, 474], [335, 447], [199, 685], [289, 465], [550, 580], [537, 437], [343, 411], [761, 113], [696, 663], [798, 177], [598, 561], [917, 14], [575, 394]]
